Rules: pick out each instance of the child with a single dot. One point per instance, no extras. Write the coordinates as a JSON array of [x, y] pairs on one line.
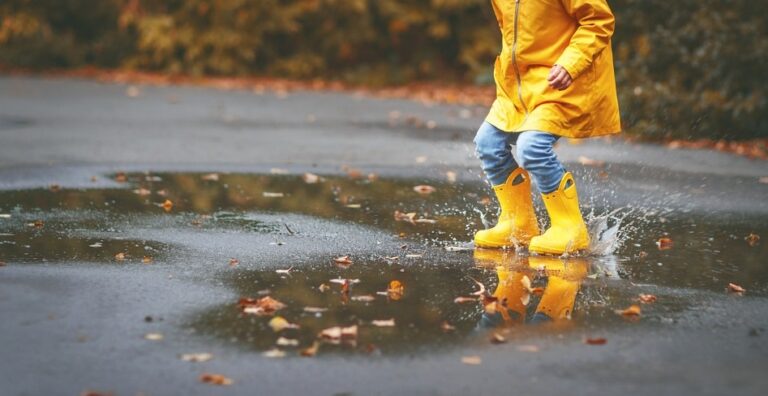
[[554, 78]]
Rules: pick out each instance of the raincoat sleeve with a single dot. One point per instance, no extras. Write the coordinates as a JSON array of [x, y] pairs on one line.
[[596, 24]]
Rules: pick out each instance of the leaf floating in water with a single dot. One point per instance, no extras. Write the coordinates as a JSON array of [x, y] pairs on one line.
[[211, 177], [461, 300], [481, 288], [664, 243], [323, 288], [343, 260], [365, 298], [167, 205], [406, 217], [261, 307], [284, 271], [472, 360], [458, 249], [395, 290], [196, 357], [384, 323], [734, 288], [647, 298], [336, 334], [147, 260], [120, 256], [120, 177], [497, 338], [215, 379], [424, 189], [595, 341], [310, 178], [267, 194], [315, 310], [282, 341], [752, 239], [447, 327]]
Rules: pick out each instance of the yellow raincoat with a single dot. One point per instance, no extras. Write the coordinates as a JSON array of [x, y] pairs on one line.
[[537, 34]]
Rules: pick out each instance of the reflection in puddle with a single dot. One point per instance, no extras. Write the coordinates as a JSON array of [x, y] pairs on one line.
[[532, 292]]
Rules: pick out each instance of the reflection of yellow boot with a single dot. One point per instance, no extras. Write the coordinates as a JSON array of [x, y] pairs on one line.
[[493, 258], [517, 222], [568, 232], [563, 280], [512, 296]]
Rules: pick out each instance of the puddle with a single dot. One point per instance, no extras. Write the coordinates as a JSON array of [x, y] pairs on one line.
[[91, 225]]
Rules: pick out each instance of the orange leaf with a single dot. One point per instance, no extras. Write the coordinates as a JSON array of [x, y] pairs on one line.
[[664, 243], [647, 298], [734, 288], [215, 379], [343, 260], [167, 205], [261, 307], [147, 260], [120, 256], [406, 217], [595, 341], [424, 189], [752, 239], [632, 311], [311, 351]]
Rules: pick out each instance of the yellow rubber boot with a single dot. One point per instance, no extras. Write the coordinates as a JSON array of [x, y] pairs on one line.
[[517, 223], [563, 282], [568, 232]]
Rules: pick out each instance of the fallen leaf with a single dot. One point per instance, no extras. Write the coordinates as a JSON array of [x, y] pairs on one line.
[[457, 249], [278, 324], [595, 341], [586, 161], [233, 262], [664, 243], [734, 288], [384, 323], [120, 256], [647, 298], [153, 336], [365, 298], [267, 194], [278, 171], [752, 239], [338, 333], [310, 178], [315, 310], [146, 260], [37, 224], [282, 341], [395, 290], [481, 287], [311, 351], [472, 360], [120, 177], [284, 271], [424, 189], [406, 217], [274, 353], [261, 307], [215, 379], [211, 177], [343, 281], [426, 221], [450, 176], [323, 287], [353, 206], [497, 338], [632, 311], [142, 192], [196, 357], [167, 205], [343, 260], [414, 255]]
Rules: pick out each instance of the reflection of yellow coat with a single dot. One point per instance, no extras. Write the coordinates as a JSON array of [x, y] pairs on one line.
[[537, 34]]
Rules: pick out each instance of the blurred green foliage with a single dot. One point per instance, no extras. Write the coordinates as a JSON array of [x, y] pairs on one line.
[[685, 68]]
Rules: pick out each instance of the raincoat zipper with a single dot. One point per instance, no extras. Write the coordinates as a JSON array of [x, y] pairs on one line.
[[514, 61]]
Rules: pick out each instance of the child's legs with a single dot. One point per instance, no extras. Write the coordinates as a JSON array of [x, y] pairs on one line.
[[536, 154], [492, 146]]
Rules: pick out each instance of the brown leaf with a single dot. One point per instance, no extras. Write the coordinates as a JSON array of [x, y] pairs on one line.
[[120, 256], [215, 379], [632, 311], [734, 288], [424, 189], [343, 260], [472, 360], [282, 341], [752, 239], [595, 341], [481, 288], [146, 260], [337, 333], [447, 327], [395, 290], [260, 307], [323, 287], [233, 262], [664, 243], [274, 353], [167, 205], [647, 298], [120, 177], [460, 300], [37, 224], [315, 310], [406, 217]]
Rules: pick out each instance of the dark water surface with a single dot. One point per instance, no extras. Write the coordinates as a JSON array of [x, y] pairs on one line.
[[535, 295]]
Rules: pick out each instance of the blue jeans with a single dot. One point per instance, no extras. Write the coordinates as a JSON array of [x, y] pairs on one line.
[[534, 152]]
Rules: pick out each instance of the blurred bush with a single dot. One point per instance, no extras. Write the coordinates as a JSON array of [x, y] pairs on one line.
[[685, 68]]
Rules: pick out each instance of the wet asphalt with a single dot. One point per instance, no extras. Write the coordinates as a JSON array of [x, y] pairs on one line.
[[72, 324]]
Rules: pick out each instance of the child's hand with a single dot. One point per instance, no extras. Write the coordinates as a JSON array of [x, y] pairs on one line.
[[559, 78]]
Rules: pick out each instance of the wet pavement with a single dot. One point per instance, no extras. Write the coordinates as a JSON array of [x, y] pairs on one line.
[[96, 260]]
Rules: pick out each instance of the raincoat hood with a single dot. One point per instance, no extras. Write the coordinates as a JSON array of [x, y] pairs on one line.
[[538, 34]]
